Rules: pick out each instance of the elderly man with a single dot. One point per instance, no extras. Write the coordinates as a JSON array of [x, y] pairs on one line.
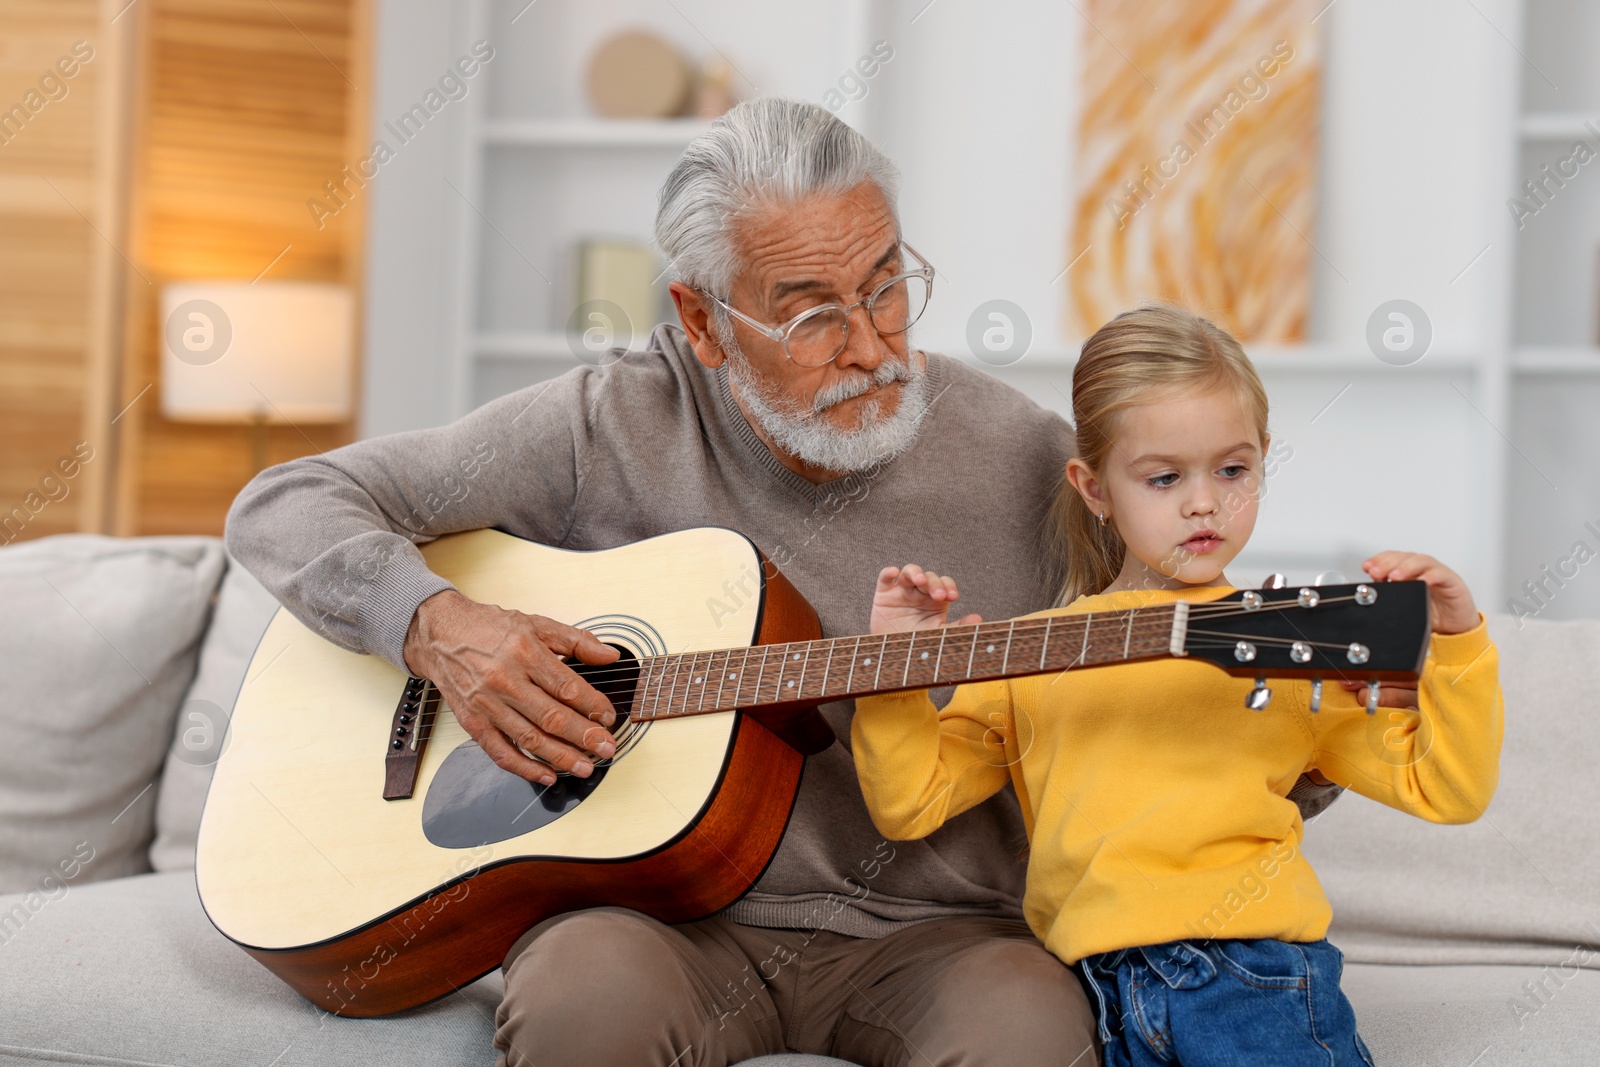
[[790, 406]]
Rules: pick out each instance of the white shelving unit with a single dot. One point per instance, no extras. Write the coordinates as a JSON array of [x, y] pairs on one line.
[[1553, 440], [1555, 125], [593, 133], [537, 173]]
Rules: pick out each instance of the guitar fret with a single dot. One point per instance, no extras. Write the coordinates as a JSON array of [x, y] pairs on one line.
[[944, 631], [722, 677], [781, 685], [672, 688], [756, 692], [1046, 643], [855, 654], [882, 648], [744, 673], [803, 664], [687, 674], [694, 675], [692, 683], [705, 678], [1128, 640], [1007, 658], [971, 655], [707, 700], [1088, 622], [827, 665], [906, 675]]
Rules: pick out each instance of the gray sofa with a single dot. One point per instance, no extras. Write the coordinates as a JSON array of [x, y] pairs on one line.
[[1465, 945]]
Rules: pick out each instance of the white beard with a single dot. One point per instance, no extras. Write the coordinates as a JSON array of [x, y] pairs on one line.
[[808, 436]]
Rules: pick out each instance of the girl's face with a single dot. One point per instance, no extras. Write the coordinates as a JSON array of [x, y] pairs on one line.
[[1182, 484]]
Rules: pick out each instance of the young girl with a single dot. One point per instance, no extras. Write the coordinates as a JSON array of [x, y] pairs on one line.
[[1164, 854]]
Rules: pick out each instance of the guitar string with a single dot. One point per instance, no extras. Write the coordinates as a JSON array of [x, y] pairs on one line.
[[1224, 641], [1203, 609], [1198, 611], [1154, 626]]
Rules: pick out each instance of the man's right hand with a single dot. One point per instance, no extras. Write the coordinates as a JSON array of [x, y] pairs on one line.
[[502, 675]]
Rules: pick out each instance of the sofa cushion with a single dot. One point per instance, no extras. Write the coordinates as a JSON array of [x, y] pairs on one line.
[[242, 612], [1484, 1015], [100, 637], [130, 971], [1517, 886]]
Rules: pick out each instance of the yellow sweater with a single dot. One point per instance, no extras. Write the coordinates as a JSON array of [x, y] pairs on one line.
[[1155, 801]]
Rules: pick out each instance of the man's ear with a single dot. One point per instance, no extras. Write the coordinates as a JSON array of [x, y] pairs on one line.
[[695, 315]]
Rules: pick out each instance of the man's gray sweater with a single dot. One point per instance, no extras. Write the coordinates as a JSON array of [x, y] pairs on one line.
[[654, 442]]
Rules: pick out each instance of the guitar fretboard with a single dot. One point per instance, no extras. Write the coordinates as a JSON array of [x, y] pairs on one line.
[[814, 672]]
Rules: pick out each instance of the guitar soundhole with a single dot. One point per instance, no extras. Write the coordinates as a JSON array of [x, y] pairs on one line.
[[472, 802]]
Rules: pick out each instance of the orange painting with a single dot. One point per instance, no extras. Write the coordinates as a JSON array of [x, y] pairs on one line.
[[1196, 156]]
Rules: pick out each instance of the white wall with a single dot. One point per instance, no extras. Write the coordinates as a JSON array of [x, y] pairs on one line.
[[410, 248], [976, 107]]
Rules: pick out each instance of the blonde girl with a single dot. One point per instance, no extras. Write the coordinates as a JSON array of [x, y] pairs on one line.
[[1164, 861]]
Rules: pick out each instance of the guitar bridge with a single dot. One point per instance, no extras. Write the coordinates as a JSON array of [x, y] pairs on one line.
[[408, 737]]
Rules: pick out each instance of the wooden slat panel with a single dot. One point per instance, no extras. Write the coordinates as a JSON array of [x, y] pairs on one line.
[[50, 168], [249, 106]]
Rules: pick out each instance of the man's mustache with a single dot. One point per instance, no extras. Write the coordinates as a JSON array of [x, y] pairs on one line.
[[853, 386]]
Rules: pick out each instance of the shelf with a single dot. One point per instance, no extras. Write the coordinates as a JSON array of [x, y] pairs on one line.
[[1559, 126], [532, 344], [1274, 359], [596, 133], [1577, 360], [523, 345], [1344, 359], [1313, 357]]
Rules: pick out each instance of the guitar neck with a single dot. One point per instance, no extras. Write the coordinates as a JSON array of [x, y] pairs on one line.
[[836, 668]]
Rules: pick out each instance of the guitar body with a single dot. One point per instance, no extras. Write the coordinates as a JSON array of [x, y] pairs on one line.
[[367, 906]]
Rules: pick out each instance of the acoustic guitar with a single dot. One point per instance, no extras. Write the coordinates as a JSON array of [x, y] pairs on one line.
[[359, 844]]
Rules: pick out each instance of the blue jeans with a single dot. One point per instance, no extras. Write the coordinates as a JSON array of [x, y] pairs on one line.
[[1225, 1003]]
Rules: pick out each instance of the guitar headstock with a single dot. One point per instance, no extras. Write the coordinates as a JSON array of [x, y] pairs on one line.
[[1361, 631]]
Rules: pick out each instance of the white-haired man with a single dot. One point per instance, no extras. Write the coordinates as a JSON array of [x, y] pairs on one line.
[[789, 405]]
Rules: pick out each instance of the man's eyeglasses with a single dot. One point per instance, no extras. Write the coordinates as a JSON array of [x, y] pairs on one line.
[[817, 335]]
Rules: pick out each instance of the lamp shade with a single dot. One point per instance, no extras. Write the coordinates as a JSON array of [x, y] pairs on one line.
[[272, 351]]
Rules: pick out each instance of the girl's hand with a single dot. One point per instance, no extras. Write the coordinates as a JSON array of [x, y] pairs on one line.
[[910, 598], [1449, 601], [1450, 609]]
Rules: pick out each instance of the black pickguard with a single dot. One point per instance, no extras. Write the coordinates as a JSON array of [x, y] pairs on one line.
[[472, 802]]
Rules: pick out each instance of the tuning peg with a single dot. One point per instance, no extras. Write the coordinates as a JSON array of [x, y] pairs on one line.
[[1274, 581], [1316, 695], [1259, 697], [1330, 578], [1372, 696]]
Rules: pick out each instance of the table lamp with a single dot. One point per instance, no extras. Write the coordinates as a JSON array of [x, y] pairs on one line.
[[262, 353]]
